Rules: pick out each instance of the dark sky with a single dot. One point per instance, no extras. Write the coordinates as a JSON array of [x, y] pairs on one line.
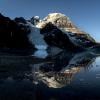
[[84, 13]]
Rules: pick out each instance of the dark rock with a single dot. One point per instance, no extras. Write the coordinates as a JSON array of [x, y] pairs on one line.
[[13, 34], [20, 20], [55, 37], [34, 20]]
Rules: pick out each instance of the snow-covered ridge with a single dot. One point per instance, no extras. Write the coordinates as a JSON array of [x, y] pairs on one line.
[[61, 21]]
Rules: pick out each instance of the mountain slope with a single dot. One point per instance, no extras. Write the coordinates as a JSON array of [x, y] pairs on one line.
[[62, 22], [55, 30]]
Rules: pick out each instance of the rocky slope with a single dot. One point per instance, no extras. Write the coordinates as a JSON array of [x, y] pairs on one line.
[[55, 30], [61, 22]]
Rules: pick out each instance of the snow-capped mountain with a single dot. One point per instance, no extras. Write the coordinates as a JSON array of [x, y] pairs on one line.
[[63, 23], [55, 30]]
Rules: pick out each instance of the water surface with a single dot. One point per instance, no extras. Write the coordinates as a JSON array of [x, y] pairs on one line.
[[64, 76]]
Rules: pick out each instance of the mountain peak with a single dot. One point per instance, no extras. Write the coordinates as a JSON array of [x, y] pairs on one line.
[[61, 21], [54, 16]]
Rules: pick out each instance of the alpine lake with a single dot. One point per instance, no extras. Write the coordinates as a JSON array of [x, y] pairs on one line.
[[63, 76]]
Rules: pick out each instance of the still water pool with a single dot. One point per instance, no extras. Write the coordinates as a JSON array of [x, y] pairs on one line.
[[64, 76]]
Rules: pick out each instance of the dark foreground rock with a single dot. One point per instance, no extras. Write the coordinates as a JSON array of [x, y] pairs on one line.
[[14, 34]]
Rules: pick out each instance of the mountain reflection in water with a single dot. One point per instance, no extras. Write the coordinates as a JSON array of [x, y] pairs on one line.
[[60, 77]]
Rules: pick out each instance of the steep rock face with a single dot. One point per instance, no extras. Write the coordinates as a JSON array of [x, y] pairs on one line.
[[55, 37], [13, 33]]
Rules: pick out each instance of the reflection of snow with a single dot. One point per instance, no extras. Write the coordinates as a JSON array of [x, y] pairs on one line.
[[76, 67], [41, 53], [41, 47]]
